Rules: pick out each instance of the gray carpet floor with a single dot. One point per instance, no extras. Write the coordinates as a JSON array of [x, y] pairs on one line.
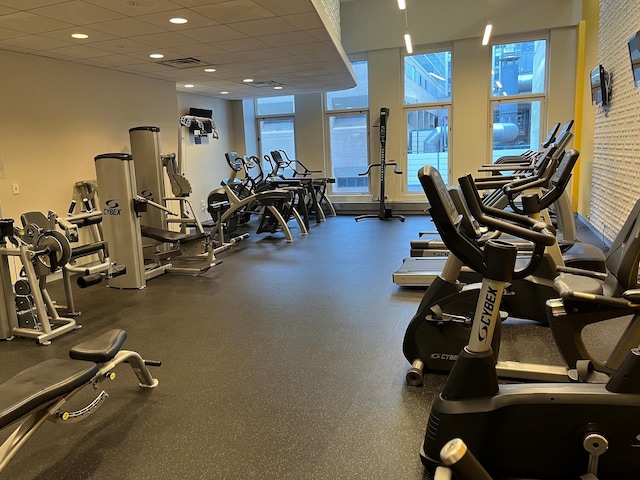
[[283, 362]]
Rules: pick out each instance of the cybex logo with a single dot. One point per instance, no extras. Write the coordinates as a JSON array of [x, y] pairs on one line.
[[112, 208], [147, 194], [444, 356], [487, 312]]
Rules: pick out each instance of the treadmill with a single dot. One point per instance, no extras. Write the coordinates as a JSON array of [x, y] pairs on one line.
[[421, 271]]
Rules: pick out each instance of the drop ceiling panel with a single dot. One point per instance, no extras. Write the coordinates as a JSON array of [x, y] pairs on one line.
[[305, 21], [265, 26], [165, 40], [267, 40], [27, 4], [121, 45], [29, 23], [77, 12], [287, 7], [65, 34], [6, 33], [137, 7], [162, 19], [288, 38], [34, 43], [80, 51], [243, 45], [234, 11], [126, 27]]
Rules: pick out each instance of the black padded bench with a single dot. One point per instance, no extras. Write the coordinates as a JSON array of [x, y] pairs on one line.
[[34, 395]]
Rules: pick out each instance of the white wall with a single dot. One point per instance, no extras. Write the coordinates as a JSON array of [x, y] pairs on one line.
[[57, 116], [204, 164], [616, 146]]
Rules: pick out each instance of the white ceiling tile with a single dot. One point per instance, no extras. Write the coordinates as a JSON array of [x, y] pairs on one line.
[[241, 38], [305, 21], [320, 34], [79, 51], [162, 19], [77, 12], [65, 34], [35, 42], [213, 34], [264, 26], [165, 40], [197, 50], [28, 4], [242, 45], [116, 60], [126, 27], [29, 23], [196, 3], [287, 7], [265, 53], [289, 38], [5, 33], [135, 8], [234, 11], [121, 46]]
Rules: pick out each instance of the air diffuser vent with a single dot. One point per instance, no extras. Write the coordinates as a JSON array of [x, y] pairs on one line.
[[187, 62], [268, 83]]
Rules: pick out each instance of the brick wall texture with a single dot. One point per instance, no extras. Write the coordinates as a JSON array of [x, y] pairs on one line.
[[616, 146]]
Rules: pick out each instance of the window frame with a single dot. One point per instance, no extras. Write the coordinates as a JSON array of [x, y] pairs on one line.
[[440, 104], [328, 113], [542, 97], [275, 116]]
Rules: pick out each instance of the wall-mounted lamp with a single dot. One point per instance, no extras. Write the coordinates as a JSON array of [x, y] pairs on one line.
[[402, 4]]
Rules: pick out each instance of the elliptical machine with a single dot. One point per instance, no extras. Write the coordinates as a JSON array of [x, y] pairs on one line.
[[542, 431]]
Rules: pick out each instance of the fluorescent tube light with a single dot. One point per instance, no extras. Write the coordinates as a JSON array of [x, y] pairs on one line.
[[402, 4], [407, 42], [487, 34]]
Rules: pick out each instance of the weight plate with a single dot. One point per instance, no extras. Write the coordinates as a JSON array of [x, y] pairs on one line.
[[22, 287], [60, 245]]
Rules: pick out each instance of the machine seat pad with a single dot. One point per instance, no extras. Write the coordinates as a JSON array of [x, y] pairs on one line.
[[40, 384], [577, 283], [169, 236], [100, 349]]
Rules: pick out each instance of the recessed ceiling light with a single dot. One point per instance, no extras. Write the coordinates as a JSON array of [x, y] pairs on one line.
[[209, 70], [156, 55], [277, 87], [248, 80], [178, 20], [80, 36], [189, 85], [224, 93]]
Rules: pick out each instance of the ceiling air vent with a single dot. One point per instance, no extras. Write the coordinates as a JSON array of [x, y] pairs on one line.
[[268, 83], [187, 62]]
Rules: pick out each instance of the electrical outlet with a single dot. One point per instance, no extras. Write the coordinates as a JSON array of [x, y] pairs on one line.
[[15, 188], [203, 205]]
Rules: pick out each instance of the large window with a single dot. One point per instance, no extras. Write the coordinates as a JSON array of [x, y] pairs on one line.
[[518, 94], [275, 117], [347, 119], [427, 99]]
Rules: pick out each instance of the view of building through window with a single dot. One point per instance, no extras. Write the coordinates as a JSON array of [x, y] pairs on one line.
[[427, 81], [347, 117], [275, 117], [518, 87]]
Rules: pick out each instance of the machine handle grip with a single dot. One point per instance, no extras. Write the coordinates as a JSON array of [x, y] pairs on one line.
[[462, 462]]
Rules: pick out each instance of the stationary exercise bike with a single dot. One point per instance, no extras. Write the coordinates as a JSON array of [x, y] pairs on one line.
[[542, 431], [441, 325]]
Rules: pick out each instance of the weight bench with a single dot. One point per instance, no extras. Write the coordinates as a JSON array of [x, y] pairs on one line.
[[40, 392]]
